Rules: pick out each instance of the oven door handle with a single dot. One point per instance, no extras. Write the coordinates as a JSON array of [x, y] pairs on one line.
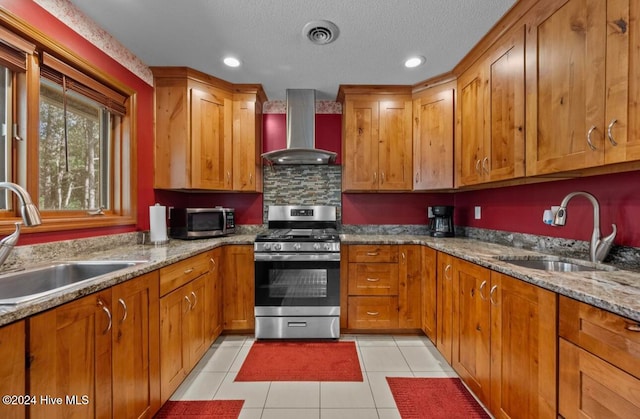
[[297, 257]]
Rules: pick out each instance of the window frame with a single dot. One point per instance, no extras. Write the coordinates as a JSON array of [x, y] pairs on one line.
[[123, 190]]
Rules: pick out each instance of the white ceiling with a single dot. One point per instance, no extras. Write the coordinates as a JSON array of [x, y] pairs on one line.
[[376, 36]]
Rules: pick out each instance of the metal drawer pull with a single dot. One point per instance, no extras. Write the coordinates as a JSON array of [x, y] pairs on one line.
[[633, 327], [447, 269], [478, 166], [372, 253], [195, 299], [610, 132], [188, 301], [297, 324], [188, 271], [213, 261], [591, 146], [373, 279], [484, 284], [108, 313], [485, 167], [373, 313], [124, 307]]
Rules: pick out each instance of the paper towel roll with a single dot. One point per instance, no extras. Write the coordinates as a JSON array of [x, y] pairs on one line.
[[158, 223]]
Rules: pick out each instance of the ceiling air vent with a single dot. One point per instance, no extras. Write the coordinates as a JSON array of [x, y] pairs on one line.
[[321, 32]]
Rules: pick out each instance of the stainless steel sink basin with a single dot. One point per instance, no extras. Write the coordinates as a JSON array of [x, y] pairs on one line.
[[554, 264], [22, 286]]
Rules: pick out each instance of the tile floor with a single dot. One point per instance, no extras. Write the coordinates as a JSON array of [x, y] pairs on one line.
[[380, 356]]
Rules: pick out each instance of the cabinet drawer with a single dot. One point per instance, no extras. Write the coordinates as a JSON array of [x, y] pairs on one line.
[[373, 279], [373, 312], [373, 253], [607, 335], [179, 273], [592, 388]]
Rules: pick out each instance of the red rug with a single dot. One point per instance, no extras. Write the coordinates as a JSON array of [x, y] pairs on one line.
[[434, 398], [301, 361], [200, 409]]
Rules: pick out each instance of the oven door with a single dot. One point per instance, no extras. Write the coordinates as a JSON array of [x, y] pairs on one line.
[[297, 280]]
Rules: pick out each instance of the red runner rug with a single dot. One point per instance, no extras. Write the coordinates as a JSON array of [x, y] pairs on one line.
[[200, 409], [301, 361], [434, 398]]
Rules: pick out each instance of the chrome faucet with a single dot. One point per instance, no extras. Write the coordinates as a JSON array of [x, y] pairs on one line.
[[30, 217], [598, 248]]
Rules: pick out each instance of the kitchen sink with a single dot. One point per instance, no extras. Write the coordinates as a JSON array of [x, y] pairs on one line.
[[22, 286], [554, 264]]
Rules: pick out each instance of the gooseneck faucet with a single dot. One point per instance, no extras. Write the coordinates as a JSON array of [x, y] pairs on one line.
[[598, 248], [30, 217]]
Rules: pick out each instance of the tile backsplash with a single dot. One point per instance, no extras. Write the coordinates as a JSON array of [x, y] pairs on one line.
[[302, 185]]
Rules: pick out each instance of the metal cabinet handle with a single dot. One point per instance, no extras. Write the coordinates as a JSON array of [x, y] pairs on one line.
[[373, 279], [372, 253], [250, 177], [188, 301], [188, 271], [485, 167], [195, 300], [382, 178], [228, 176], [484, 284], [447, 269], [478, 166], [373, 313], [404, 256], [375, 177], [124, 307], [493, 289], [633, 327], [610, 132], [417, 177], [108, 313], [591, 146], [213, 262]]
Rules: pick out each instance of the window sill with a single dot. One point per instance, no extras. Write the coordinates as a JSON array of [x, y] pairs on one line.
[[7, 226]]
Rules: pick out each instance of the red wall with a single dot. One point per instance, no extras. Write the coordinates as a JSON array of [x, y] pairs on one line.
[[50, 26]]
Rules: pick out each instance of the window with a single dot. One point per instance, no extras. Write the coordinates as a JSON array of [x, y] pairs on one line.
[[67, 134]]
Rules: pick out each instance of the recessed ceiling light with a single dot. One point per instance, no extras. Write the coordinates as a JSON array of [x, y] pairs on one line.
[[232, 62], [414, 62]]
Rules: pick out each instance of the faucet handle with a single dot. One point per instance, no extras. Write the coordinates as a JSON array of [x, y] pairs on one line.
[[604, 245]]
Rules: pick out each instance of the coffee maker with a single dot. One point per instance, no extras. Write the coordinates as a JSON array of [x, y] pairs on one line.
[[440, 221]]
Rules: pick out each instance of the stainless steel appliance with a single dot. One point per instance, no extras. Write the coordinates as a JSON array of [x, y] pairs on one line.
[[441, 221], [297, 274], [200, 223]]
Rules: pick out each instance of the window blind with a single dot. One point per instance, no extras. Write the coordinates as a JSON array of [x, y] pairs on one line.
[[14, 50]]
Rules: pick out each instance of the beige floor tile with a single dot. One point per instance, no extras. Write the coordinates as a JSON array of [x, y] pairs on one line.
[[291, 414], [346, 395], [289, 394], [348, 414]]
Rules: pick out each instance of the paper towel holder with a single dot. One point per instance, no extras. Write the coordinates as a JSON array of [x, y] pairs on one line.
[[158, 225]]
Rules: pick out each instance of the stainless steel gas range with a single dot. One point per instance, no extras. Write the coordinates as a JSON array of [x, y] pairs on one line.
[[297, 274]]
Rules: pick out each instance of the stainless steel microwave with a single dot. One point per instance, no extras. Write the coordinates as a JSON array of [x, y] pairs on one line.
[[200, 223]]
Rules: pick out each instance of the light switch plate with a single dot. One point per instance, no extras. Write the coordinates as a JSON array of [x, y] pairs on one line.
[[478, 213]]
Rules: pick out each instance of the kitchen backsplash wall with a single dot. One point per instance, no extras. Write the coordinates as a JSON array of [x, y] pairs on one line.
[[302, 185]]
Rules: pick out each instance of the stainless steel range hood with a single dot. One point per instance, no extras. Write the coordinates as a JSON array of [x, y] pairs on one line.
[[301, 126]]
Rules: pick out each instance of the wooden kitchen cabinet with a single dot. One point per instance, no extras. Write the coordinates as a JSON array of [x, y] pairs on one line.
[[588, 116], [433, 128], [184, 327], [384, 285], [490, 143], [136, 347], [208, 132], [12, 372], [444, 293], [238, 287], [429, 292], [599, 364], [377, 138], [70, 354]]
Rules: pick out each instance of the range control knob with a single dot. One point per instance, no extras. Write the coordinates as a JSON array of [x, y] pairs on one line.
[[327, 246], [277, 246], [266, 246], [297, 246], [316, 246]]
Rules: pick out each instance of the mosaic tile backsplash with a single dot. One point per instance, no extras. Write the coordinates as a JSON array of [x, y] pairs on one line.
[[302, 185]]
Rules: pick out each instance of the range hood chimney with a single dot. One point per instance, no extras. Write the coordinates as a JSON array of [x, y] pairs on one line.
[[301, 126]]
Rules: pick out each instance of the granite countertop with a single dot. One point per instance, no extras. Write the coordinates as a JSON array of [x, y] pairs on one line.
[[617, 291]]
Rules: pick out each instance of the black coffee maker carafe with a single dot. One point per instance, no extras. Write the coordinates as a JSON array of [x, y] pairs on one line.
[[441, 221]]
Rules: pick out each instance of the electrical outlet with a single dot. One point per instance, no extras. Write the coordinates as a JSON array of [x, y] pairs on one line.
[[478, 213]]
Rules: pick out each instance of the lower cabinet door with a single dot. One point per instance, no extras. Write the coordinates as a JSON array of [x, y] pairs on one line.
[[12, 373], [174, 354], [373, 312], [592, 388], [70, 359]]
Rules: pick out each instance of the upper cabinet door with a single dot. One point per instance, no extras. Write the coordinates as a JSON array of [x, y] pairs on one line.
[[210, 141], [470, 141], [433, 140], [566, 86], [395, 145], [360, 145]]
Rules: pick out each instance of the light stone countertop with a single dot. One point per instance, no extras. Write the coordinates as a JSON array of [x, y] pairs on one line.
[[617, 291]]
